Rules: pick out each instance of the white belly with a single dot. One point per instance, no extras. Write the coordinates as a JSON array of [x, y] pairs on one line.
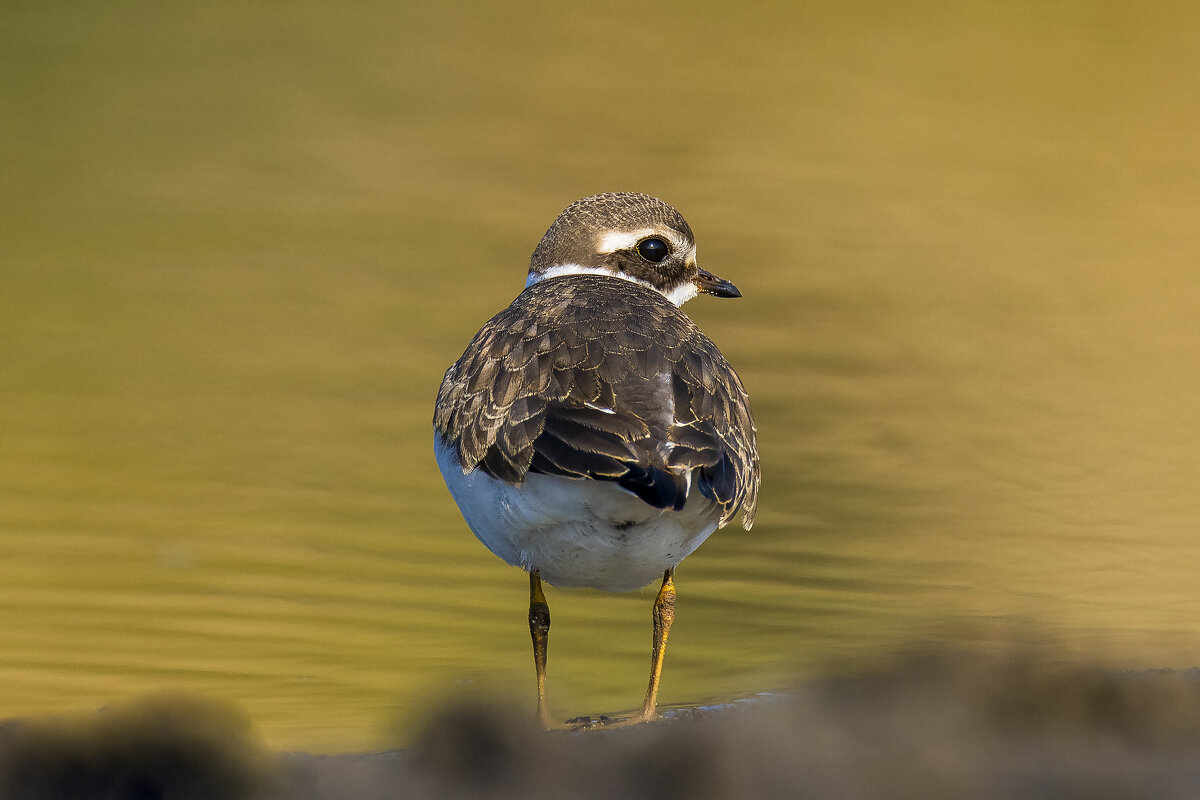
[[577, 532]]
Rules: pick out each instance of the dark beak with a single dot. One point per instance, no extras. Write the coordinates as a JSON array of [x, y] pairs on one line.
[[707, 283]]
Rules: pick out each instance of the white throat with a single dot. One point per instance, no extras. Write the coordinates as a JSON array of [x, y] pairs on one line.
[[679, 295]]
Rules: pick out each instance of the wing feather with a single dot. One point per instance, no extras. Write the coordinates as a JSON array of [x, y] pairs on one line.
[[594, 377]]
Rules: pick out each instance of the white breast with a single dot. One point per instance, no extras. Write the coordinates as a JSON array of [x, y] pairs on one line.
[[577, 532]]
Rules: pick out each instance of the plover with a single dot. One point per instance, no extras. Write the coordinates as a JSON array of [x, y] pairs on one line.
[[591, 434]]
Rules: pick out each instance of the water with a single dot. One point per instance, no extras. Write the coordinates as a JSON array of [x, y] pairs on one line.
[[240, 249]]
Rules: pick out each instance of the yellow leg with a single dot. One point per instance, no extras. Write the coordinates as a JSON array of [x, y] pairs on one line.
[[539, 629], [664, 615]]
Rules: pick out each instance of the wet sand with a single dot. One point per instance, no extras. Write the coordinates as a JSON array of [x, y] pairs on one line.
[[929, 726]]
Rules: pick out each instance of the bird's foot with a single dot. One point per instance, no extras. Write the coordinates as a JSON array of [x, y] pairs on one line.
[[605, 722], [588, 722]]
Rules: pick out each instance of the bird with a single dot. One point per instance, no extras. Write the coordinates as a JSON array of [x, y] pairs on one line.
[[590, 433]]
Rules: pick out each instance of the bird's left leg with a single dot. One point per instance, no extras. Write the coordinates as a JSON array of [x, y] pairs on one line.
[[539, 629]]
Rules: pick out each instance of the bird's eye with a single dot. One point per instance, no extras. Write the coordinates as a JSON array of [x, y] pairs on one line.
[[653, 249]]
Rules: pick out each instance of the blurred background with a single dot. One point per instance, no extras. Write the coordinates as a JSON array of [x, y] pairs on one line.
[[241, 242]]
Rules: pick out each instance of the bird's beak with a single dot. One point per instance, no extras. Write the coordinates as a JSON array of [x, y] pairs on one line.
[[707, 283]]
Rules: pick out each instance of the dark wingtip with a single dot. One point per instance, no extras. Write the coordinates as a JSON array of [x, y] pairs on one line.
[[656, 487]]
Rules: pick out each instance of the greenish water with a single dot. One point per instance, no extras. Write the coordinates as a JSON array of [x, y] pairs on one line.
[[239, 244]]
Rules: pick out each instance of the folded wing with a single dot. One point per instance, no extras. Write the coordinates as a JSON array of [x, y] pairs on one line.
[[622, 387]]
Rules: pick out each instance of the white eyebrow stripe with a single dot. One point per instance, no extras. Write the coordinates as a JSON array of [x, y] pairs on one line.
[[622, 240]]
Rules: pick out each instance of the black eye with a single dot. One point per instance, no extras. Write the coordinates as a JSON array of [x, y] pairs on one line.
[[653, 250]]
